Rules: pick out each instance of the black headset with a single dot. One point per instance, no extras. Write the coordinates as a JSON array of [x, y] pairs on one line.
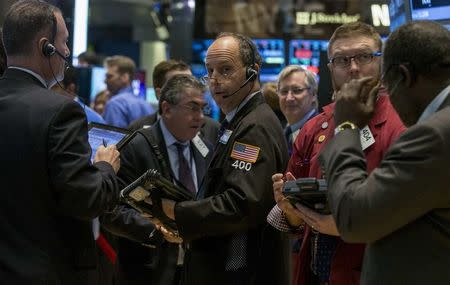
[[49, 49], [250, 72]]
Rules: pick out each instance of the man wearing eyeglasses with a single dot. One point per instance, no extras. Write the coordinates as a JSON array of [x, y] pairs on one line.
[[171, 146], [354, 52], [228, 240], [297, 94]]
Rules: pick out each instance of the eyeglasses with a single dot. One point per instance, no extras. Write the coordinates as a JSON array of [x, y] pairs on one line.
[[223, 73], [294, 90], [361, 59], [194, 108]]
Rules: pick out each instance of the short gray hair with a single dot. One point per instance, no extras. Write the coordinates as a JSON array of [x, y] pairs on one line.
[[310, 77], [172, 90]]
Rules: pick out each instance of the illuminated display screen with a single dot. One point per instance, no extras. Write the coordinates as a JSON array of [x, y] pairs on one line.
[[272, 53], [199, 48], [307, 53], [430, 9]]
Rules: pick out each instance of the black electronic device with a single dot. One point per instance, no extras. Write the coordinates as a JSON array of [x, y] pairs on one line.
[[100, 133], [145, 194], [310, 192]]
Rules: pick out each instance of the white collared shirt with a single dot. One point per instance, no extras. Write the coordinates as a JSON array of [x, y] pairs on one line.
[[172, 151], [435, 104]]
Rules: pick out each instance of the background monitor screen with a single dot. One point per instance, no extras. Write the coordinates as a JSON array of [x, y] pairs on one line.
[[138, 85], [399, 13], [199, 48], [430, 10], [97, 81], [307, 53], [273, 56]]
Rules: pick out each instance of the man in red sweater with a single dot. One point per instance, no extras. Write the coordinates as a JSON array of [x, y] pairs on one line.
[[354, 52]]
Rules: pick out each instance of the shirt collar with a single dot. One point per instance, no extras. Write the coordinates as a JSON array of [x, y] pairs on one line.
[[435, 104], [233, 112], [300, 123], [168, 137], [37, 76], [127, 89]]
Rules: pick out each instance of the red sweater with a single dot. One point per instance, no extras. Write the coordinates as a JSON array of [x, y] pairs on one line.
[[385, 126]]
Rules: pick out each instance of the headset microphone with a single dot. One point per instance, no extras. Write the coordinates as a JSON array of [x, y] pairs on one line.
[[252, 75]]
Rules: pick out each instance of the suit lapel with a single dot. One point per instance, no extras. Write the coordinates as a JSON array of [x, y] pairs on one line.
[[200, 166]]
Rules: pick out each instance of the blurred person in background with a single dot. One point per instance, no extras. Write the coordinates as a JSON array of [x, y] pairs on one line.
[[269, 91], [89, 58], [354, 52], [123, 107], [100, 100], [69, 87]]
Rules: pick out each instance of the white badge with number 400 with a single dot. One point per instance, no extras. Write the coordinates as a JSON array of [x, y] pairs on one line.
[[242, 165]]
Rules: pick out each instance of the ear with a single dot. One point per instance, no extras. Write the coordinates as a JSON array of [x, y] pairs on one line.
[[157, 92], [125, 77], [406, 75], [166, 109], [256, 67], [41, 43], [71, 88]]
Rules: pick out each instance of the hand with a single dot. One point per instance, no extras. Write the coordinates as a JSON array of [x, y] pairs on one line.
[[355, 102], [169, 235], [168, 207], [282, 201], [108, 154], [324, 224]]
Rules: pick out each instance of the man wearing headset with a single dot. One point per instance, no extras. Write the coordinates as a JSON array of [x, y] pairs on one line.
[[50, 190], [226, 236]]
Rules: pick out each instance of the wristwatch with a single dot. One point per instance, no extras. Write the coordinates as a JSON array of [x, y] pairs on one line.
[[343, 126]]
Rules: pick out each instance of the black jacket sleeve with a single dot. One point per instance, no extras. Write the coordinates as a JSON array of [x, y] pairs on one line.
[[82, 190]]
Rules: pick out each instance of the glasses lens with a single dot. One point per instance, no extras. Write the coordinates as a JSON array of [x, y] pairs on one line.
[[341, 61], [363, 58], [204, 79]]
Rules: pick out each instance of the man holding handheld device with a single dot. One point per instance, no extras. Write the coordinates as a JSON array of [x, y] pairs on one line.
[[323, 257], [50, 190]]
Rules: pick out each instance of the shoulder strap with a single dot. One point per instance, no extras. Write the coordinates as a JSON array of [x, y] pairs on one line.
[[159, 156]]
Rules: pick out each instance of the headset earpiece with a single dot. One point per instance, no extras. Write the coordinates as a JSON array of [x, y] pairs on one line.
[[251, 73], [48, 49]]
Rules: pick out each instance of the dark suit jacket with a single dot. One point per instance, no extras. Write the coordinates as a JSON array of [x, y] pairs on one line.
[[209, 130], [50, 191], [402, 209], [238, 197], [136, 158]]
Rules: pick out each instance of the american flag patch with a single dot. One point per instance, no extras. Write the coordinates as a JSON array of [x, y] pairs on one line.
[[245, 152]]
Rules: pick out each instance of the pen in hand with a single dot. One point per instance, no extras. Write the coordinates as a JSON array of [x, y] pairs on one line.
[[104, 143]]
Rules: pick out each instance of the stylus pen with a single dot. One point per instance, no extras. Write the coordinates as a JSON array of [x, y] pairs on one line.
[[104, 143]]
